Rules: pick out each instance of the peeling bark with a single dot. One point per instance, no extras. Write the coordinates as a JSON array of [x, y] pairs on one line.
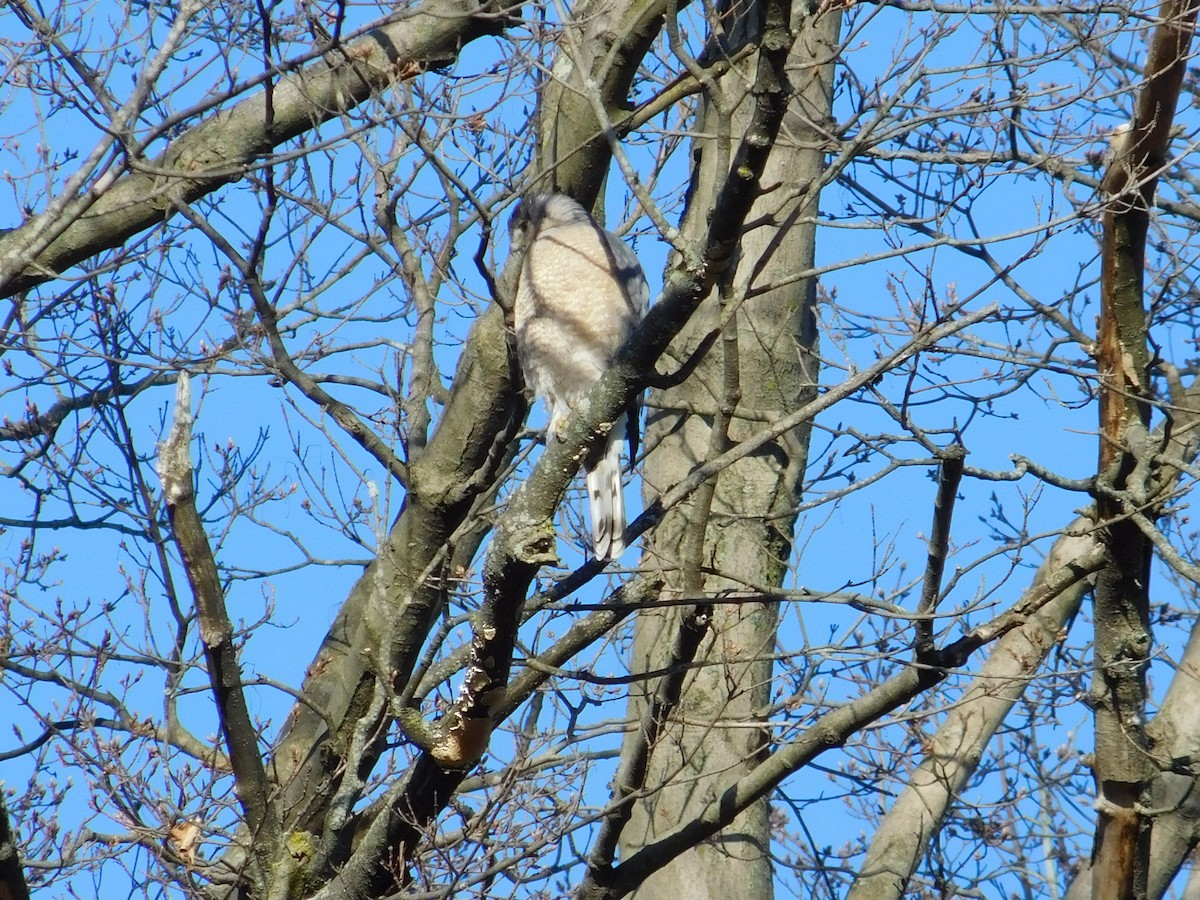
[[1123, 763]]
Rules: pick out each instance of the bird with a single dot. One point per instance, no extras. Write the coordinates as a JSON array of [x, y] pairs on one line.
[[580, 293]]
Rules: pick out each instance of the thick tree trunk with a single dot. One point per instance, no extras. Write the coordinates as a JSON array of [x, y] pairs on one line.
[[736, 531], [1124, 765], [1175, 795]]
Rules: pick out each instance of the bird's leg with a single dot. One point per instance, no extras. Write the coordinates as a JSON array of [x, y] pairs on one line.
[[558, 423]]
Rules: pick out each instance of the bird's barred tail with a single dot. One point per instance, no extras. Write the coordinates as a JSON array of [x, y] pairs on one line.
[[606, 504]]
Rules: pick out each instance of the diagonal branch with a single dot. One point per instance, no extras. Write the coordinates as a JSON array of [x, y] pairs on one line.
[[952, 753], [46, 424], [220, 149], [216, 630], [630, 779], [922, 340], [524, 539], [340, 412], [832, 731]]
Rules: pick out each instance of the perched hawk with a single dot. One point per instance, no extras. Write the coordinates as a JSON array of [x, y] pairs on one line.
[[580, 293]]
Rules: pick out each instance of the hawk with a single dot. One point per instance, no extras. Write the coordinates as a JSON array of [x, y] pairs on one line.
[[580, 293]]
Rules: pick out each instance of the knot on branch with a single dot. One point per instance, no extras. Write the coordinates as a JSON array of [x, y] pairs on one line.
[[459, 739], [534, 545], [463, 742]]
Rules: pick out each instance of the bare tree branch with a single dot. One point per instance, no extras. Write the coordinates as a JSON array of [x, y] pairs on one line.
[[220, 149], [949, 477], [216, 631], [951, 755], [831, 731]]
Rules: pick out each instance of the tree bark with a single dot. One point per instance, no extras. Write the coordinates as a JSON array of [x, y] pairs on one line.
[[953, 753], [736, 530], [587, 96], [1122, 758], [331, 742], [221, 148], [1175, 793], [12, 879], [241, 737]]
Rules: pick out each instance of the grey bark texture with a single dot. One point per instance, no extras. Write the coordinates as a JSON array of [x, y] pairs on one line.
[[736, 531], [710, 754], [1175, 795], [1173, 735], [381, 627]]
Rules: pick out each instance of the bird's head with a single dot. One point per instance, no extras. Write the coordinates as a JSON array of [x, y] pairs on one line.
[[534, 214]]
